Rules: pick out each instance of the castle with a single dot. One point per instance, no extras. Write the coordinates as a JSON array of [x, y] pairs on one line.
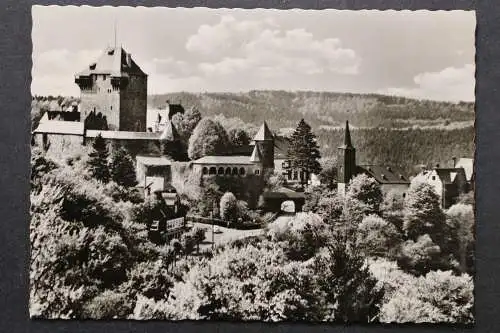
[[115, 86]]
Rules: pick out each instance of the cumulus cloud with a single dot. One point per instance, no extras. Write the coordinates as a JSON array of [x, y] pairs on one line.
[[54, 70], [450, 84], [261, 47], [169, 67]]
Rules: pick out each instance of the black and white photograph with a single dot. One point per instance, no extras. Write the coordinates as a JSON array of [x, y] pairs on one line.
[[252, 165]]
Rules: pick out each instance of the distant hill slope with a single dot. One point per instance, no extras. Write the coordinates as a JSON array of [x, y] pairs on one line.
[[322, 109]]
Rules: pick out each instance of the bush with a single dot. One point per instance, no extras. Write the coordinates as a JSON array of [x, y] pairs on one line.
[[109, 305], [229, 208], [376, 237]]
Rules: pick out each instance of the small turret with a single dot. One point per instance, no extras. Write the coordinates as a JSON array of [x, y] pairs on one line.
[[264, 140]]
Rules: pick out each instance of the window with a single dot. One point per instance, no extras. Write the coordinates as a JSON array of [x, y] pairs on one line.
[[242, 171], [295, 175], [228, 171], [212, 171], [221, 171], [404, 195], [433, 177], [235, 171], [205, 170], [111, 107], [257, 172], [289, 174]]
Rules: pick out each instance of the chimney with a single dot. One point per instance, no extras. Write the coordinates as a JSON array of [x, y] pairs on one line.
[[437, 165], [454, 159]]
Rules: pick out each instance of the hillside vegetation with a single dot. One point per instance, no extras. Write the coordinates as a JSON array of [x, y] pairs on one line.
[[322, 109]]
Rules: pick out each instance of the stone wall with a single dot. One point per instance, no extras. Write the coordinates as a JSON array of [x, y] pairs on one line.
[[59, 146], [133, 102], [102, 97]]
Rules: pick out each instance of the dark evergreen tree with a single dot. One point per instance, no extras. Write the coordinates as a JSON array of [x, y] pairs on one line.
[[98, 160], [303, 152], [239, 137], [122, 168]]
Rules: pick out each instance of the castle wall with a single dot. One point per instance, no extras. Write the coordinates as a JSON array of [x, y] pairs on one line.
[[133, 102], [102, 97], [59, 146]]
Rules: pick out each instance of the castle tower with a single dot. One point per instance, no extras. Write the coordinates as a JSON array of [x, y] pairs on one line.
[[346, 161], [116, 87], [256, 159], [264, 140]]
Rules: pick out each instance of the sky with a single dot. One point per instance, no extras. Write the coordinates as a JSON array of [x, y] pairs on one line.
[[419, 54]]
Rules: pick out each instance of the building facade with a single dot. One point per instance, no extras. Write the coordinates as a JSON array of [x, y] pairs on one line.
[[116, 87]]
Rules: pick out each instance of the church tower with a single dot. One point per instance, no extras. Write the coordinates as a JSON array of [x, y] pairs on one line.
[[116, 87], [346, 161], [264, 140]]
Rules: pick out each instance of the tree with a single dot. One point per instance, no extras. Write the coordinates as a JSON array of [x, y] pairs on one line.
[[186, 122], [438, 297], [122, 168], [98, 160], [460, 221], [366, 190], [328, 172], [377, 237], [421, 256], [239, 137], [347, 282], [208, 138], [423, 214], [303, 151], [229, 207]]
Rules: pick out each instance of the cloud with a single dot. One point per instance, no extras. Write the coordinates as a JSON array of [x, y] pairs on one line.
[[262, 48], [168, 66], [450, 84], [53, 71]]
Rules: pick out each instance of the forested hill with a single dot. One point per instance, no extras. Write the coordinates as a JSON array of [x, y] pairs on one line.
[[323, 109]]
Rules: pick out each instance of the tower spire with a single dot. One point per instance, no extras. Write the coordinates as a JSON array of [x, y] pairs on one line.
[[347, 138]]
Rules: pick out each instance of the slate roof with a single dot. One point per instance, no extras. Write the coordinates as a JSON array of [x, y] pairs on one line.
[[223, 160], [173, 109], [263, 134], [448, 175], [347, 137], [281, 145], [123, 135], [283, 193], [468, 165], [256, 156], [153, 160], [384, 174], [60, 127], [112, 61]]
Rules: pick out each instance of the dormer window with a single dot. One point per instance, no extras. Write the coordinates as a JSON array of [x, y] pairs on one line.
[[92, 66]]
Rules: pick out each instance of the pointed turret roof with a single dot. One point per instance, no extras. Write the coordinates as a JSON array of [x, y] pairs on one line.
[[256, 155], [347, 137], [263, 134], [169, 133]]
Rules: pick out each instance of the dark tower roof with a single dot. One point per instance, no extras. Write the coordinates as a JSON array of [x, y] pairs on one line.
[[114, 61], [263, 134], [347, 137]]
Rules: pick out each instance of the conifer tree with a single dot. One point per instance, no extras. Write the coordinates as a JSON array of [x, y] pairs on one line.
[[122, 169], [303, 152], [98, 160]]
